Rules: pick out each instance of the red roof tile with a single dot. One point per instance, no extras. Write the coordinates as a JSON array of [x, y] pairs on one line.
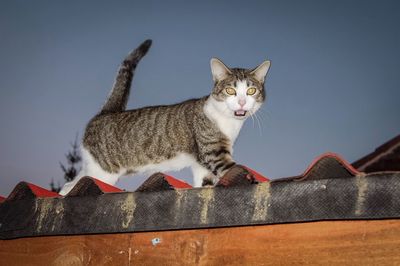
[[91, 186], [161, 181], [106, 188], [176, 183], [257, 176], [28, 190]]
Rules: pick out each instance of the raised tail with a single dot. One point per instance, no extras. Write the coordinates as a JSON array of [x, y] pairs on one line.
[[118, 98]]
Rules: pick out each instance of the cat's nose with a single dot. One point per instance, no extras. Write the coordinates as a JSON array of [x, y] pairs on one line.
[[242, 102]]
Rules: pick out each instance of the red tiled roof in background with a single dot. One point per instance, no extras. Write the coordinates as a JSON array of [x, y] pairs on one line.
[[385, 158], [2, 199]]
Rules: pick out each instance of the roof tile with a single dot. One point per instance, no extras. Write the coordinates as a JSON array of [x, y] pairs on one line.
[[327, 165], [161, 181], [238, 175], [91, 186], [259, 177], [27, 190]]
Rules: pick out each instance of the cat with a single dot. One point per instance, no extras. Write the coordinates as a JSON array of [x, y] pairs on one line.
[[197, 133]]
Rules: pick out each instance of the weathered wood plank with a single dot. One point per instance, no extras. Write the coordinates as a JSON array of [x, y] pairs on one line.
[[375, 242], [67, 250], [328, 243]]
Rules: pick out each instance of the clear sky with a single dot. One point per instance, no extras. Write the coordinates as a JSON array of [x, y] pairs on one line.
[[334, 84]]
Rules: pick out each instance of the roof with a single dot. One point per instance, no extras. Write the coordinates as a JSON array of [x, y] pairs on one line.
[[385, 158], [329, 189]]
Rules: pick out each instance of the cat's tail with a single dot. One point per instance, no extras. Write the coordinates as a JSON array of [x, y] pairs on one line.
[[118, 98]]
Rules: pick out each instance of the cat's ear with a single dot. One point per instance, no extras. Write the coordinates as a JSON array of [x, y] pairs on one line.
[[261, 71], [219, 70]]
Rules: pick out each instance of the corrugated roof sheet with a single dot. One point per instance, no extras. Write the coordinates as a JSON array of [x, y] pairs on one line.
[[329, 189], [160, 181], [156, 182]]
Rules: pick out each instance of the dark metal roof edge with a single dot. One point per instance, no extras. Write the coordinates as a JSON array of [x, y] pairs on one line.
[[373, 196], [377, 152]]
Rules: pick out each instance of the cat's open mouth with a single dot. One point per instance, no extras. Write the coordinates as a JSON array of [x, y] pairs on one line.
[[240, 113]]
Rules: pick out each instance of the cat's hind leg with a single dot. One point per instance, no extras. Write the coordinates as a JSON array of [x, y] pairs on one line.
[[69, 185], [104, 176], [91, 168]]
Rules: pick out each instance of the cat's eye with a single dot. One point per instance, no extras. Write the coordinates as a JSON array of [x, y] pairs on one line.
[[230, 91], [251, 91]]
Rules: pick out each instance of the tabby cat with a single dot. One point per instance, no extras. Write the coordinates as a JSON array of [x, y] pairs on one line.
[[197, 133]]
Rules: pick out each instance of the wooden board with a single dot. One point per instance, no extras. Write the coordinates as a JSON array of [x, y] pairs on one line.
[[329, 243]]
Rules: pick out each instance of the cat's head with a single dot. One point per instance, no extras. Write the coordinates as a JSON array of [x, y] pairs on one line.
[[238, 92]]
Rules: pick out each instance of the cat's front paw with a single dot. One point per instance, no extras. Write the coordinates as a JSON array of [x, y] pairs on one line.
[[208, 181]]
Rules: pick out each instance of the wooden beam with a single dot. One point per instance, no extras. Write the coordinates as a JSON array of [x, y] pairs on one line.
[[374, 242]]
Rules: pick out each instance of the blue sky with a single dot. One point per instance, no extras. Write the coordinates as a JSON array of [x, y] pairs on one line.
[[333, 85]]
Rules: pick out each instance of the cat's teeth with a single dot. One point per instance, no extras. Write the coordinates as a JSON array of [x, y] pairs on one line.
[[240, 113]]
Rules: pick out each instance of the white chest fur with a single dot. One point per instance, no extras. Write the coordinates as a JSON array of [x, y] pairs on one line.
[[219, 113]]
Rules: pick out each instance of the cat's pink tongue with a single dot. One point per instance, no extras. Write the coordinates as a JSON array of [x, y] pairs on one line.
[[240, 113]]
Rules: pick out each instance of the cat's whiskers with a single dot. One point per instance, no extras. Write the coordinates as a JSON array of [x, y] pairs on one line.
[[264, 112], [259, 123], [254, 116], [262, 115]]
